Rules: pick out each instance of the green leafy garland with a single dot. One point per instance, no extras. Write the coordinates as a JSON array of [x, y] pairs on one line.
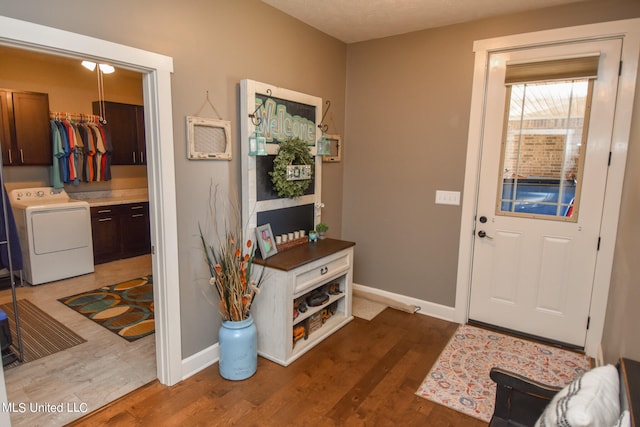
[[292, 151]]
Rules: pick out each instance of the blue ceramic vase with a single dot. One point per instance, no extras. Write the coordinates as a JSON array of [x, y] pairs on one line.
[[238, 344]]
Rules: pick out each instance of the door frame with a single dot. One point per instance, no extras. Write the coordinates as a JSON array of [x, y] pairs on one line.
[[629, 31], [156, 70]]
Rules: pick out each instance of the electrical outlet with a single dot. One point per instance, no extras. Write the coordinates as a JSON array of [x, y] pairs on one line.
[[447, 197]]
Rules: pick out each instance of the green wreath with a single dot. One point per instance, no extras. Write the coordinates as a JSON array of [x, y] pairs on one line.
[[292, 151]]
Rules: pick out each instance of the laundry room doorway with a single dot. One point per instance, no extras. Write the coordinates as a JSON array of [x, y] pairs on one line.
[[155, 70]]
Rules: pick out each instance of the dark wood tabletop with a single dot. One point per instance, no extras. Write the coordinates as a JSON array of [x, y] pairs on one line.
[[302, 254]]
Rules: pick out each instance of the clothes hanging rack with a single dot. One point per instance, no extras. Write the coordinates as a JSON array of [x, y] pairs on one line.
[[77, 117]]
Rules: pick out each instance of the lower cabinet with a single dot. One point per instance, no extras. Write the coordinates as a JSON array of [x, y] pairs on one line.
[[302, 303], [120, 231]]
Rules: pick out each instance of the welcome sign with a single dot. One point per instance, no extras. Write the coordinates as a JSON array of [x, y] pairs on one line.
[[282, 119], [278, 114]]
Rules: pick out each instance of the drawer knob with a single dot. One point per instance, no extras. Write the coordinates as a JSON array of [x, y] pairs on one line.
[[324, 270]]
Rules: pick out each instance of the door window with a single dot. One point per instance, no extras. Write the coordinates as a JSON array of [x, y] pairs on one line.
[[543, 147]]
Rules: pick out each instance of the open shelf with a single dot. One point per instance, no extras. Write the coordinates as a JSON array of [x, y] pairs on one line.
[[332, 324], [313, 310]]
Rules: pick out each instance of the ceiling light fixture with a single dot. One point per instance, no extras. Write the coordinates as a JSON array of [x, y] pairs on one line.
[[105, 68], [89, 65]]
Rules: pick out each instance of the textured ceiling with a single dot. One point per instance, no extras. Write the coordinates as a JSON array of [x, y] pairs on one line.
[[358, 20]]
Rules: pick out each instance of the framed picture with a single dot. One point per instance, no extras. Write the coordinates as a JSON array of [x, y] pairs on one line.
[[335, 149], [266, 241], [209, 139]]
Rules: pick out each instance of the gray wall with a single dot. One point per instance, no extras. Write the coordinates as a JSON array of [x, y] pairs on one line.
[[408, 101]]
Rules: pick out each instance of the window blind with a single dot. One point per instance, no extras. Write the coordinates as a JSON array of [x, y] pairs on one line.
[[559, 69]]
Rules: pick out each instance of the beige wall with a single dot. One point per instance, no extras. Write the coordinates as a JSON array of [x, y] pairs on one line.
[[214, 45], [71, 88], [408, 101]]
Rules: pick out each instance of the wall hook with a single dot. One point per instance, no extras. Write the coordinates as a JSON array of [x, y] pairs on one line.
[[324, 127], [255, 119]]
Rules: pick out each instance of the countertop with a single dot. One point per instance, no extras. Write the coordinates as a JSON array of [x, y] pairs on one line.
[[112, 197]]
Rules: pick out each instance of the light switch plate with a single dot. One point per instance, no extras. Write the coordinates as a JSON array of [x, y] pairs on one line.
[[447, 197]]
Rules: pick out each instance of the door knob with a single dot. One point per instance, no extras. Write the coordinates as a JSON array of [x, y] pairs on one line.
[[482, 234]]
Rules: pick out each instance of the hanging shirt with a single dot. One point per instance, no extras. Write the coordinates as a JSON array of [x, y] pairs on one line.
[[100, 150], [79, 153], [89, 151], [64, 160], [58, 154], [73, 161], [106, 164]]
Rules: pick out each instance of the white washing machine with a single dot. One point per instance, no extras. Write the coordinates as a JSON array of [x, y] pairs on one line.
[[55, 234]]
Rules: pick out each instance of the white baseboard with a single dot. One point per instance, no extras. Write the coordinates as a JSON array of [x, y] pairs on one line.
[[210, 355], [428, 308], [199, 361]]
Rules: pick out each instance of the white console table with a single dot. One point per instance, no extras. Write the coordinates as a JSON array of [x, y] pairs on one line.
[[292, 275]]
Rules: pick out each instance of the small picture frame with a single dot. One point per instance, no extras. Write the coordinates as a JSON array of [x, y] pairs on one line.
[[208, 139], [266, 241], [335, 149]]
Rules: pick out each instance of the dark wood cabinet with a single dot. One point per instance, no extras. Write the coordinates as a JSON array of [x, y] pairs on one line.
[[25, 134], [136, 236], [105, 228], [125, 132], [120, 231]]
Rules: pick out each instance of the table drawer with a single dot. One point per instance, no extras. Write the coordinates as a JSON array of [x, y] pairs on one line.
[[322, 271]]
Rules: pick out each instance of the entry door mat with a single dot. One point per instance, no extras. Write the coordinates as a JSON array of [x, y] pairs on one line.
[[42, 335], [365, 309], [460, 377], [125, 308]]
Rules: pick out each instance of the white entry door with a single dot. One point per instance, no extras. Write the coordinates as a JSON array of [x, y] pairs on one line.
[[545, 150]]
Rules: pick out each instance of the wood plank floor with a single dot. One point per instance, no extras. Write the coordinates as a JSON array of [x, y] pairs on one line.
[[365, 374]]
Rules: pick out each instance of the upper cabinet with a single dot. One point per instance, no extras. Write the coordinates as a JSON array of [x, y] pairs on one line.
[[25, 134], [125, 130]]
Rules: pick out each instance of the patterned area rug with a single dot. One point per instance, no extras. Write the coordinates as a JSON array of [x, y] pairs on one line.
[[460, 377], [125, 308], [42, 335]]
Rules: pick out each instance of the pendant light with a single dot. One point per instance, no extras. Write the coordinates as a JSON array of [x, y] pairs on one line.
[[100, 69]]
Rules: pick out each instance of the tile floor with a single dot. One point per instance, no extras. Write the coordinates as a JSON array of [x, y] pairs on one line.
[[85, 377]]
